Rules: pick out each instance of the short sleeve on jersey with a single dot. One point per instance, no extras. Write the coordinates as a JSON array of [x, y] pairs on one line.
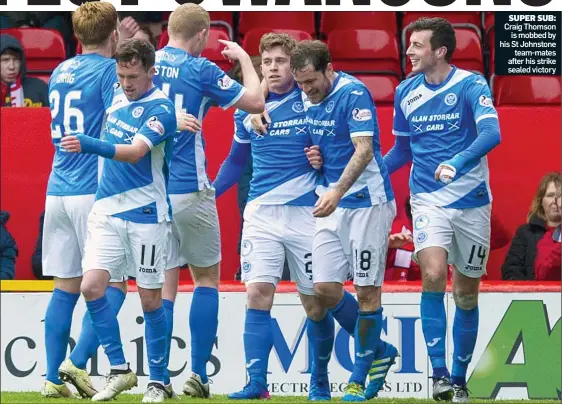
[[218, 86], [361, 115], [241, 134], [479, 97], [160, 125]]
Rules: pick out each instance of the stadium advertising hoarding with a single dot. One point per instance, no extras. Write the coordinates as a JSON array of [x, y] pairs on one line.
[[511, 359]]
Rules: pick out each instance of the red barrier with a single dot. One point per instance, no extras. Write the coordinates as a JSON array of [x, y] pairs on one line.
[[530, 147]]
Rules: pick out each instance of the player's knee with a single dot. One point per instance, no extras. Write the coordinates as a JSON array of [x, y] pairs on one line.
[[434, 280], [206, 277], [151, 299], [260, 295], [329, 294], [92, 289], [314, 310], [465, 301]]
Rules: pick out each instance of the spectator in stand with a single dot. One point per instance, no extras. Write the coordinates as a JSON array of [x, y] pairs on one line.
[[399, 263], [18, 90], [535, 249], [8, 249]]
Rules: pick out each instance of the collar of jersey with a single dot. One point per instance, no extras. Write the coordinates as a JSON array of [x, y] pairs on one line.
[[275, 97], [147, 94], [169, 48], [434, 87], [334, 85]]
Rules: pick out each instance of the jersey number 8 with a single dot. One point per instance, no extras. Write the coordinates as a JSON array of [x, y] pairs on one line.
[[68, 112]]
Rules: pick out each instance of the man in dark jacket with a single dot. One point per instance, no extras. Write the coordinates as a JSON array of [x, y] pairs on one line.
[[8, 249], [18, 90]]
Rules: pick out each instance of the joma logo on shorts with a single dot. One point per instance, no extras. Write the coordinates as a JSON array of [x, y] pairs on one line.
[[472, 268], [148, 270]]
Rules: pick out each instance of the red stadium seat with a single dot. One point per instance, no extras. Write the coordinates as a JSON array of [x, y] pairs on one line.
[[297, 20], [164, 38], [44, 48], [470, 20], [365, 51], [526, 90], [44, 77], [461, 17], [468, 54], [252, 38], [382, 87], [332, 20], [488, 19], [214, 49]]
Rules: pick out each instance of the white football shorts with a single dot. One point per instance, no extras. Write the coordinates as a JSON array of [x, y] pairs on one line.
[[464, 233], [353, 243], [65, 229], [195, 229], [125, 248], [271, 234]]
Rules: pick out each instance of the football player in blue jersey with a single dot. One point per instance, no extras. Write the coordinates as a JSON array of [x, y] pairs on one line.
[[278, 220], [129, 227], [81, 90], [354, 212], [192, 82], [446, 123]]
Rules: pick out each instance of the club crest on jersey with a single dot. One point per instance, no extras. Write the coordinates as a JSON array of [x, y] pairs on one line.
[[137, 112], [361, 114], [298, 107], [451, 99], [485, 101], [225, 82], [330, 106], [156, 125]]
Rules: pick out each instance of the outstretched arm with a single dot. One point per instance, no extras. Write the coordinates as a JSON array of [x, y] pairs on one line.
[[232, 167]]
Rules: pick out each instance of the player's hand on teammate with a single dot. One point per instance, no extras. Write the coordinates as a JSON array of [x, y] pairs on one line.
[[128, 28], [314, 156], [399, 240], [232, 51], [260, 122], [71, 144], [187, 122], [327, 203], [445, 173]]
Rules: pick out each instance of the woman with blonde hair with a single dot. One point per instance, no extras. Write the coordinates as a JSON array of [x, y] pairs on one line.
[[535, 249]]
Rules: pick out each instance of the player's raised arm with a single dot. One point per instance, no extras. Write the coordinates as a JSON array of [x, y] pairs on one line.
[[478, 98], [233, 166]]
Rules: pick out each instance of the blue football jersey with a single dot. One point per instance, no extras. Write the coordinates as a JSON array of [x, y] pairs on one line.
[[81, 90], [281, 173], [137, 192], [441, 122], [349, 111], [192, 83]]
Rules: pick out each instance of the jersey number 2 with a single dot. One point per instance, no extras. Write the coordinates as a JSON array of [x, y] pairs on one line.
[[68, 112]]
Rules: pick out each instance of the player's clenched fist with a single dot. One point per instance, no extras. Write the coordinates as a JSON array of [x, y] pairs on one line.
[[260, 122], [314, 156], [187, 122]]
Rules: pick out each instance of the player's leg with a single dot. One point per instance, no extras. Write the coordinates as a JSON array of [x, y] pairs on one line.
[[472, 246], [73, 369], [105, 259], [262, 256], [433, 235], [200, 246], [169, 293], [300, 224], [148, 248], [364, 237], [62, 260]]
